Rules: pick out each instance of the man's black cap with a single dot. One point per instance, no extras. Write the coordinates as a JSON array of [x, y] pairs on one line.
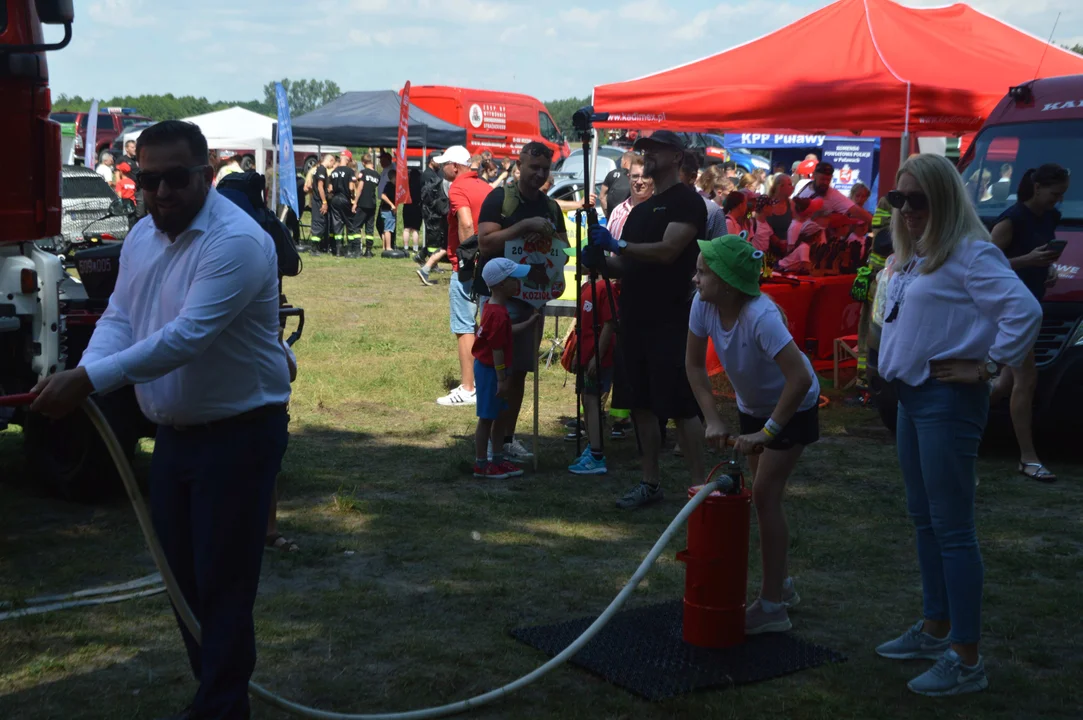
[[825, 168], [661, 137]]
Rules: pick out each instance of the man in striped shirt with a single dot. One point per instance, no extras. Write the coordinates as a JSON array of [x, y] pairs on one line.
[[642, 188]]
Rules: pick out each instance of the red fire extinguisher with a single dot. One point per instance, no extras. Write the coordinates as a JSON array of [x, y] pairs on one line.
[[716, 559]]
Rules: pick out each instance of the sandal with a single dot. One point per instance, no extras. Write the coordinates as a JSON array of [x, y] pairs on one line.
[[279, 542], [1041, 474]]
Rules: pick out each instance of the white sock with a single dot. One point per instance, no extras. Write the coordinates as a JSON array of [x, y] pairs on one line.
[[787, 585]]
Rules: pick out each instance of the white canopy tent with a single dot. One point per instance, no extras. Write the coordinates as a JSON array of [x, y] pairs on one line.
[[238, 129]]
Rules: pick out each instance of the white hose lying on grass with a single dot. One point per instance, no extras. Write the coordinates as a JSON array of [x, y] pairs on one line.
[[102, 600], [185, 613]]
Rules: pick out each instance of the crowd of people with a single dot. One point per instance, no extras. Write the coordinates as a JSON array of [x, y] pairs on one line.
[[204, 350]]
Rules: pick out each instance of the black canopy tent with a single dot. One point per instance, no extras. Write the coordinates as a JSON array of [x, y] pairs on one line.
[[371, 119]]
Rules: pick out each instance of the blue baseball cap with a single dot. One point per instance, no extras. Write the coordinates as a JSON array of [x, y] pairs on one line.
[[498, 270]]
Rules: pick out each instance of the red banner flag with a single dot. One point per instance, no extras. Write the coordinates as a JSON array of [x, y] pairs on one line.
[[402, 179]]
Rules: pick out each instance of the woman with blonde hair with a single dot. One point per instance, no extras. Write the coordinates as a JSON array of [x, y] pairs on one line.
[[955, 314]]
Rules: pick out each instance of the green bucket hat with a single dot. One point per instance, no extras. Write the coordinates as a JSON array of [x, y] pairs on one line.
[[732, 258]]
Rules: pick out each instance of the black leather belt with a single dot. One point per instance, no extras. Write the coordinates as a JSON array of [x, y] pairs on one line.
[[259, 413]]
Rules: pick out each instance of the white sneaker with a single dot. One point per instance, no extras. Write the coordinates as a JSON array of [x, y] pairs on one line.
[[459, 397], [515, 452]]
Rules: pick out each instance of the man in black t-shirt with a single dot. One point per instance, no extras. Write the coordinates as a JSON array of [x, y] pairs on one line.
[[364, 213], [533, 215], [656, 259], [616, 188], [341, 183], [321, 196]]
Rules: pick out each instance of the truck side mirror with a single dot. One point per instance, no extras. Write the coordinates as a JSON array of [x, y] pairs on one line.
[[55, 12], [118, 207]]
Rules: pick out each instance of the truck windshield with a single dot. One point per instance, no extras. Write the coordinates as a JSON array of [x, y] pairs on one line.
[[1002, 154]]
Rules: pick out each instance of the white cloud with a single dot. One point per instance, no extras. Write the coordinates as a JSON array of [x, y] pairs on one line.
[[648, 11], [580, 18], [360, 37], [467, 12]]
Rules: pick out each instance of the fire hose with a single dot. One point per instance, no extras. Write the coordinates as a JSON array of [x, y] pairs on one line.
[[127, 475]]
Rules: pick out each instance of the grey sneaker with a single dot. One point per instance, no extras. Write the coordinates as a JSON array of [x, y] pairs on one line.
[[950, 677], [517, 453], [424, 275], [758, 620], [790, 598], [913, 645], [641, 496]]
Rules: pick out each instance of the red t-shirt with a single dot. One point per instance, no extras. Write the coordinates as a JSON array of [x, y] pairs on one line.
[[586, 335], [467, 190], [126, 189], [494, 333]]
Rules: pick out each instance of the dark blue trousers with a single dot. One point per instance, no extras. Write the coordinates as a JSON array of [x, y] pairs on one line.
[[210, 493]]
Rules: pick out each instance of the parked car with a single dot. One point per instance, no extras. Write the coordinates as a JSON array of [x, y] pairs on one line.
[[130, 133], [574, 162], [745, 159], [87, 206], [111, 122]]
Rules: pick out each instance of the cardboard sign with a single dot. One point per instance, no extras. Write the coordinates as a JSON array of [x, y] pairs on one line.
[[546, 255], [402, 177]]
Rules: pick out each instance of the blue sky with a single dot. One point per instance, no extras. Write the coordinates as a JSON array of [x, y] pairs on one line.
[[228, 50]]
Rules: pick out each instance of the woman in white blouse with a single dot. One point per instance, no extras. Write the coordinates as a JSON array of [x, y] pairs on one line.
[[956, 313]]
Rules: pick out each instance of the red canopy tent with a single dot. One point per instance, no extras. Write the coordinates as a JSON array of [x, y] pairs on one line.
[[869, 67]]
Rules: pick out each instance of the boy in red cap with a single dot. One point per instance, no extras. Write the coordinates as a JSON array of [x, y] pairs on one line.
[[125, 185]]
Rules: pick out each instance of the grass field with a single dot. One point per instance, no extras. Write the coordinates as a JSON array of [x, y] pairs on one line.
[[411, 573]]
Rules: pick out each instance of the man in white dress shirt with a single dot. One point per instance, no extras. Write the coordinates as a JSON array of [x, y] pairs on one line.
[[193, 324]]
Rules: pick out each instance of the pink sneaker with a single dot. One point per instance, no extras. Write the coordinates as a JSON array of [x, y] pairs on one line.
[[509, 469]]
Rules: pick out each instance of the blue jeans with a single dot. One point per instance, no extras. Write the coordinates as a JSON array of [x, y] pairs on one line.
[[940, 426], [210, 494]]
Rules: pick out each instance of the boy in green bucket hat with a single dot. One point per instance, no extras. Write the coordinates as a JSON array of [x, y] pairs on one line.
[[777, 400]]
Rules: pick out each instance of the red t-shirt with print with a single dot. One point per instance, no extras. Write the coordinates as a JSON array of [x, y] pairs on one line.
[[467, 191], [494, 333], [605, 309], [126, 189]]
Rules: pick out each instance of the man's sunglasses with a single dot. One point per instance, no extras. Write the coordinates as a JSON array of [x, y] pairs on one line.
[[176, 178], [918, 201]]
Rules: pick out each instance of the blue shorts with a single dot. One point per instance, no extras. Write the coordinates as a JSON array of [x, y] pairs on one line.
[[388, 216], [463, 309], [489, 405]]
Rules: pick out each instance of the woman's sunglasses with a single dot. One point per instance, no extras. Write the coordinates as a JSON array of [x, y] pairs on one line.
[[918, 201], [176, 178]]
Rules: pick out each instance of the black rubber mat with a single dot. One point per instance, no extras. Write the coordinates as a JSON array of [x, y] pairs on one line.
[[642, 651]]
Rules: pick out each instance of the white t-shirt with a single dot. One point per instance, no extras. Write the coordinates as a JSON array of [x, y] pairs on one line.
[[801, 254], [972, 307], [106, 171], [748, 352]]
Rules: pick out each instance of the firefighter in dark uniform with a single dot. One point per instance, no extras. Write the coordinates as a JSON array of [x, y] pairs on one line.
[[342, 187], [321, 196], [364, 214]]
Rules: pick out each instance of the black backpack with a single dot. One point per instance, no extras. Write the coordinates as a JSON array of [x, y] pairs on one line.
[[252, 185]]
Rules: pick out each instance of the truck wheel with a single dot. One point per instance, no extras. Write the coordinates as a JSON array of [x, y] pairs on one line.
[[69, 459], [309, 162], [248, 163]]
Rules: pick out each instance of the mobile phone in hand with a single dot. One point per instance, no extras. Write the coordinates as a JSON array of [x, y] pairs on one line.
[[1057, 246]]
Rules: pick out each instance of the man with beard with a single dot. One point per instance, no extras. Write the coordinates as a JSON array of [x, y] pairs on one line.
[[655, 260], [817, 201], [193, 324], [518, 211], [616, 187]]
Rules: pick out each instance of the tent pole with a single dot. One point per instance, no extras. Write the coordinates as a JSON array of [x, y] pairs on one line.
[[274, 179], [421, 170], [904, 143]]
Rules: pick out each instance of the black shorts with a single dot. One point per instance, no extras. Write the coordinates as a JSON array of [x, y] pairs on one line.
[[802, 429], [654, 366]]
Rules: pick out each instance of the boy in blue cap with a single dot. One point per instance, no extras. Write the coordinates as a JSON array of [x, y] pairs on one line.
[[492, 356]]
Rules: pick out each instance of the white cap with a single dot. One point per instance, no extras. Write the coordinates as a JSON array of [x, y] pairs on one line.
[[455, 154], [498, 270]]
